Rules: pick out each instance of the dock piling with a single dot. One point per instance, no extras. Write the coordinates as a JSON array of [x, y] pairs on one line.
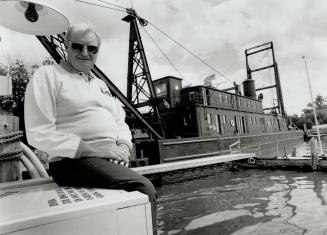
[[314, 153]]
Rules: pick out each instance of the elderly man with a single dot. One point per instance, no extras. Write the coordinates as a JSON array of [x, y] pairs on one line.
[[72, 116]]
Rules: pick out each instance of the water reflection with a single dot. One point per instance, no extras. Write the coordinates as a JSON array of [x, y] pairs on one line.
[[246, 202]]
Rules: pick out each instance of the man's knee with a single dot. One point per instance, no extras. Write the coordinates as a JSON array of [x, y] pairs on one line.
[[148, 189]]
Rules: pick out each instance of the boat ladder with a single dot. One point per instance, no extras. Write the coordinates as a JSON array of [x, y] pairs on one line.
[[237, 149]]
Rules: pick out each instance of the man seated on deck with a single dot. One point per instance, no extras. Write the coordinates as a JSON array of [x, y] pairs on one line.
[[72, 116]]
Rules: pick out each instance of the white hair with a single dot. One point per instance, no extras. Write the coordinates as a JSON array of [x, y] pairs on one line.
[[77, 30]]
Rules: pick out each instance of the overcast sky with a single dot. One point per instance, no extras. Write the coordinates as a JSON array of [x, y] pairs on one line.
[[218, 31]]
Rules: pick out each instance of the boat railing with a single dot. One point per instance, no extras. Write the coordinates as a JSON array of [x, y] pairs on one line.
[[279, 148], [237, 149], [192, 98]]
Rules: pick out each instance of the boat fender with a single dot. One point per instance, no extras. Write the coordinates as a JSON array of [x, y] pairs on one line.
[[251, 161]]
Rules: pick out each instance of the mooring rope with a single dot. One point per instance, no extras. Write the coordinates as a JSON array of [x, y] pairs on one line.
[[10, 137]]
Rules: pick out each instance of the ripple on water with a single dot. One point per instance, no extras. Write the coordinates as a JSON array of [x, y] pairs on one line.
[[215, 218], [246, 202]]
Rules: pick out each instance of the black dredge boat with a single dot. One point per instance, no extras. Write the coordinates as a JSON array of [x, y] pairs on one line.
[[171, 123], [202, 121]]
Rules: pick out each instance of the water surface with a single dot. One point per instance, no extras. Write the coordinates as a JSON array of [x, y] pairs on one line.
[[245, 202]]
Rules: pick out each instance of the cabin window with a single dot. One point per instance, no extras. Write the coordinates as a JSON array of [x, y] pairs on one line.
[[221, 126], [234, 123], [217, 120], [243, 124], [220, 98], [251, 121], [191, 96], [232, 100], [185, 121], [239, 124], [226, 98], [239, 102], [209, 118], [177, 87], [204, 96], [161, 90], [224, 118]]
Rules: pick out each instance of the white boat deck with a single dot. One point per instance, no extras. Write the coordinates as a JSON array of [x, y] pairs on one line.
[[45, 208], [152, 169], [48, 207]]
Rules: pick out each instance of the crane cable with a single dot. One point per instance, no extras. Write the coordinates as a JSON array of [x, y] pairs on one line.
[[190, 52], [94, 4], [144, 22], [105, 2], [163, 53]]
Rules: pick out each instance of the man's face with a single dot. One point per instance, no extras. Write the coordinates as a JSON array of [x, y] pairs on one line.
[[80, 51]]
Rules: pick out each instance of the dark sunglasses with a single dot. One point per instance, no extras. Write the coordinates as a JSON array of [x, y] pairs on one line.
[[79, 47]]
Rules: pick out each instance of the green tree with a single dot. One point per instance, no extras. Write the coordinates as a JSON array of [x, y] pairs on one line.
[[320, 102], [3, 70], [321, 110], [20, 77]]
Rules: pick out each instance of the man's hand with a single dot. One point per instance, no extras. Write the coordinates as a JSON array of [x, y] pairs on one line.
[[125, 148], [112, 151], [117, 152]]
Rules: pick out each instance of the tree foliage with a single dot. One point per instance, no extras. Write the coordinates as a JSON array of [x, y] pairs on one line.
[[308, 113], [20, 75]]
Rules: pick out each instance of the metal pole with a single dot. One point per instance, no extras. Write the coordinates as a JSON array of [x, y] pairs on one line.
[[313, 105]]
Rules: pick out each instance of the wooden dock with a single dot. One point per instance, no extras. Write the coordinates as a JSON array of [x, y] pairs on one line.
[[299, 163], [193, 163], [164, 168]]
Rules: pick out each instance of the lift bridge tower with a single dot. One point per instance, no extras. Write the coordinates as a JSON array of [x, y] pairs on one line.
[[277, 86]]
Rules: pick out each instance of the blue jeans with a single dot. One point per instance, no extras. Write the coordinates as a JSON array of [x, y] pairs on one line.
[[100, 173]]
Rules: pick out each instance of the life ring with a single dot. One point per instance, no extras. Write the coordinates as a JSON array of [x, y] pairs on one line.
[[232, 123], [251, 161]]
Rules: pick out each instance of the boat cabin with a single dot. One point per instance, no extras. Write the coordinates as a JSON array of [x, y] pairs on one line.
[[205, 111]]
